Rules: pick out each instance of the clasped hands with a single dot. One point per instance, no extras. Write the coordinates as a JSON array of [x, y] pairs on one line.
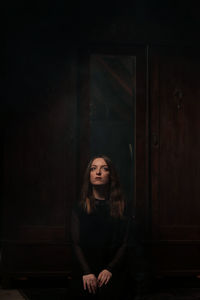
[[91, 282]]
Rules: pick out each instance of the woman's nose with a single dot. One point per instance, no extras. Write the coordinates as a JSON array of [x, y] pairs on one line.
[[99, 171]]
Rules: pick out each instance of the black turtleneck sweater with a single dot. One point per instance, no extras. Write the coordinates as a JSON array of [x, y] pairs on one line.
[[99, 240]]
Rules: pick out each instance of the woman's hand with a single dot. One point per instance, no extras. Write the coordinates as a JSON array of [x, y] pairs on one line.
[[90, 282], [104, 277]]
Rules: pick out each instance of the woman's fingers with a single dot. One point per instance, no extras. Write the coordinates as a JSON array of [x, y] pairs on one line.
[[107, 279], [104, 277], [90, 283], [93, 286], [100, 282], [84, 284], [101, 279], [89, 288]]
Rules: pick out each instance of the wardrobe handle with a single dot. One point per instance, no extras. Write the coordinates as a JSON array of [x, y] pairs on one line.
[[131, 151], [154, 139]]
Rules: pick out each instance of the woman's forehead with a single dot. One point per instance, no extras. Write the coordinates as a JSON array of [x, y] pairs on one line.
[[99, 161]]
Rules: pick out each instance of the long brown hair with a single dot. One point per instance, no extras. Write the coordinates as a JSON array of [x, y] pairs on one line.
[[115, 195]]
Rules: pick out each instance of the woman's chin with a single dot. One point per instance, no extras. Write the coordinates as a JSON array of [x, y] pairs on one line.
[[98, 183]]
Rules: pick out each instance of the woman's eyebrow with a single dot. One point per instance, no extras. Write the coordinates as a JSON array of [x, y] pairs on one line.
[[100, 166]]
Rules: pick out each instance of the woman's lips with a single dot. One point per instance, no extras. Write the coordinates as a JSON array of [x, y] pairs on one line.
[[98, 178]]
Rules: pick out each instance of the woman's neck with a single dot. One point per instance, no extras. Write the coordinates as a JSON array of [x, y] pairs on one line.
[[99, 192]]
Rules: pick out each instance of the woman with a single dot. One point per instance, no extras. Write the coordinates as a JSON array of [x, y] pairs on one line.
[[100, 231]]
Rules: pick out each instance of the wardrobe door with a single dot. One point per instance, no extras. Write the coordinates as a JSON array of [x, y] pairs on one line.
[[39, 163], [112, 111], [175, 163]]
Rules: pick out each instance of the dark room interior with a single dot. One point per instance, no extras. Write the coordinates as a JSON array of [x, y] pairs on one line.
[[82, 80]]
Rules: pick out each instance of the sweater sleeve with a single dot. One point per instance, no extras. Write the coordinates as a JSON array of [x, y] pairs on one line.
[[118, 258], [75, 234]]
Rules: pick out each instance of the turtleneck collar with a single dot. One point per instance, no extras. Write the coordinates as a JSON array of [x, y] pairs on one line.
[[101, 202]]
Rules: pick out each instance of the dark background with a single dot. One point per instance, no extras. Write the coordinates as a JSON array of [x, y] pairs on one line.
[[44, 115]]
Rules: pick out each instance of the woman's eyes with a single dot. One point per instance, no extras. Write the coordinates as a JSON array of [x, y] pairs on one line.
[[102, 168], [92, 169], [105, 169]]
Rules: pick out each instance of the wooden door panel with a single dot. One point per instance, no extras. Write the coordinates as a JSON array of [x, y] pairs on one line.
[[171, 258], [39, 168], [175, 145]]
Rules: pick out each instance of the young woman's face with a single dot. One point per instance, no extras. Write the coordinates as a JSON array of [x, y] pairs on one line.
[[99, 172]]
